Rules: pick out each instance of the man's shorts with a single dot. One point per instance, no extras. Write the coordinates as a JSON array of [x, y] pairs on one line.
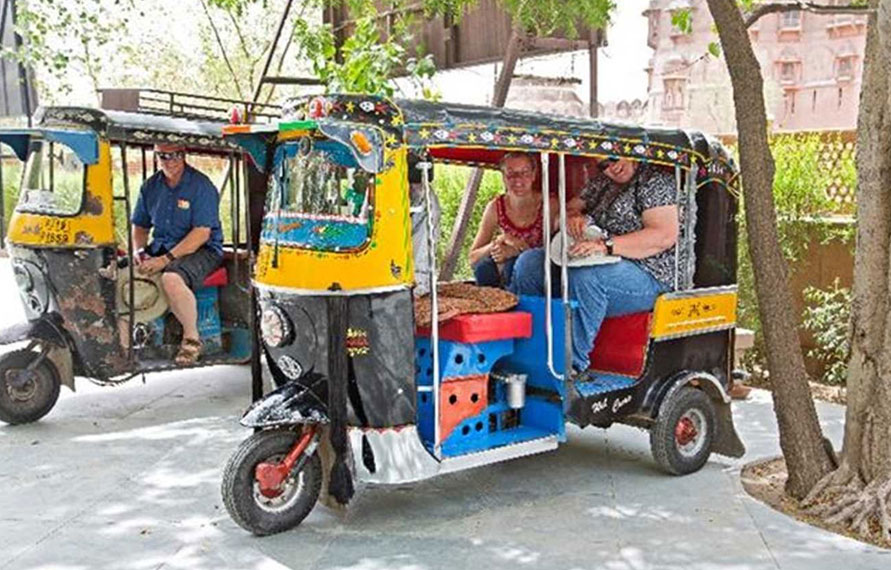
[[193, 268]]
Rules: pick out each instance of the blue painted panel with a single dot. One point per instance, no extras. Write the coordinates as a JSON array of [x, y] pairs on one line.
[[302, 231], [530, 356], [603, 383], [84, 144], [458, 359]]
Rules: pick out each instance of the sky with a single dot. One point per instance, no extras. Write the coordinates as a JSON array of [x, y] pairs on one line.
[[620, 72]]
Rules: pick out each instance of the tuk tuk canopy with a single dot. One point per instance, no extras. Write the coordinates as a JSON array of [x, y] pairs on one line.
[[480, 136]]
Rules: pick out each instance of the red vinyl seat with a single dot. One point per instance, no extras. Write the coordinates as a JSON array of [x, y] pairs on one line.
[[484, 327], [621, 345], [219, 277]]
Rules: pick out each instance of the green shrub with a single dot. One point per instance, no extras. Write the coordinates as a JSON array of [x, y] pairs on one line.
[[449, 183], [828, 318], [803, 174]]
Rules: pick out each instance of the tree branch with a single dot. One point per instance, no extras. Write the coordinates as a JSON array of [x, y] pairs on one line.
[[823, 9], [223, 50]]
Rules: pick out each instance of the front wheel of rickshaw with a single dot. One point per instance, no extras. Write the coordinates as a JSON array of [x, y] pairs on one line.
[[260, 511], [681, 438], [26, 395]]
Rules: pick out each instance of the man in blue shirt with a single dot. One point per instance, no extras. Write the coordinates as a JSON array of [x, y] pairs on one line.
[[181, 205]]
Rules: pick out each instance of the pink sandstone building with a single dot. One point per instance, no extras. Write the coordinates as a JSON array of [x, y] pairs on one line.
[[811, 66]]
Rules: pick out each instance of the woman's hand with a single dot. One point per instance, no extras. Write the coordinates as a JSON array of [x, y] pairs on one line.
[[518, 244], [576, 226], [587, 247], [501, 250]]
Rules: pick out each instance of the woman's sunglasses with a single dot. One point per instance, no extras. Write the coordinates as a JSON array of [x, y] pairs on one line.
[[607, 162]]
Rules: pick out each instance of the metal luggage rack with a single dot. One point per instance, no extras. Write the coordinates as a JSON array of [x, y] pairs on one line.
[[186, 105]]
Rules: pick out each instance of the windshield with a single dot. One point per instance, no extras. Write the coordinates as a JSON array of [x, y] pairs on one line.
[[319, 199], [53, 180]]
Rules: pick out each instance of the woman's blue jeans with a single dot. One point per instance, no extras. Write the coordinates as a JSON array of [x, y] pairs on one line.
[[606, 291], [521, 275]]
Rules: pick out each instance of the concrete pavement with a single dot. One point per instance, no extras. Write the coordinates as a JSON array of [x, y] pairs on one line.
[[128, 479]]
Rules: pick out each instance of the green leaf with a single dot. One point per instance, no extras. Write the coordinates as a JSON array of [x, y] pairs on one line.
[[714, 48]]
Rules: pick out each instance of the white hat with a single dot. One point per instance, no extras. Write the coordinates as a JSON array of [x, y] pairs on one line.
[[591, 232], [149, 300]]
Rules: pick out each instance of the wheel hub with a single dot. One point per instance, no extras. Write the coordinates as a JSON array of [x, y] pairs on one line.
[[685, 431], [270, 477], [20, 385]]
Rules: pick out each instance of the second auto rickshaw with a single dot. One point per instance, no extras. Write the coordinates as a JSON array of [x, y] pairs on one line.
[[393, 403], [88, 312]]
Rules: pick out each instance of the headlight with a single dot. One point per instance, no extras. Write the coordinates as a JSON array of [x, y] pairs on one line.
[[275, 327], [23, 279]]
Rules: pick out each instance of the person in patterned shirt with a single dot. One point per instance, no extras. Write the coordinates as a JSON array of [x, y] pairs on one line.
[[636, 205]]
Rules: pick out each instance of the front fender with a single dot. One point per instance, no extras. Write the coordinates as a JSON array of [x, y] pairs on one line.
[[50, 333], [301, 401], [44, 328]]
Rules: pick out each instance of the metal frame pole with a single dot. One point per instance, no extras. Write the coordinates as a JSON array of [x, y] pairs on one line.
[[434, 306]]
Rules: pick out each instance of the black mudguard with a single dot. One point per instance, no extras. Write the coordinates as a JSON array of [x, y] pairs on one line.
[[301, 401], [44, 328]]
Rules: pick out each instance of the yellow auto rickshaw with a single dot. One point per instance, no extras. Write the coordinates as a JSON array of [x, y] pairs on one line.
[[371, 396], [88, 312]]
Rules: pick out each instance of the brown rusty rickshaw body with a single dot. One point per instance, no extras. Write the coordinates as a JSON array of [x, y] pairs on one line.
[[70, 248], [400, 402]]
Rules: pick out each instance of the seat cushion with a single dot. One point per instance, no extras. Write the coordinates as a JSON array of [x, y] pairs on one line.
[[219, 277], [621, 345], [484, 327]]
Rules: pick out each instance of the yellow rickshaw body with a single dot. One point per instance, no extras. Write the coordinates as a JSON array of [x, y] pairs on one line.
[[91, 226], [383, 263]]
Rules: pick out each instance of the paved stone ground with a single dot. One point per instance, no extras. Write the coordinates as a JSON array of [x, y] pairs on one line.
[[128, 479]]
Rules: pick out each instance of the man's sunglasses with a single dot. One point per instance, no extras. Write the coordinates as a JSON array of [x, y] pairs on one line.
[[165, 156], [607, 162]]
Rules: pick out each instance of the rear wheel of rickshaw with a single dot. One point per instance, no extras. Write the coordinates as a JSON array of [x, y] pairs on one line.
[[264, 512], [681, 438], [26, 395]]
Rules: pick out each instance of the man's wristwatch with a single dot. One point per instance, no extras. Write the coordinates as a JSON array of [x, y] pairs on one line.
[[170, 256], [609, 243]]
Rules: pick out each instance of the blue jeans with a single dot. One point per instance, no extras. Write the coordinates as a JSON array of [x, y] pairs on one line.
[[485, 272], [606, 291], [528, 278], [521, 275]]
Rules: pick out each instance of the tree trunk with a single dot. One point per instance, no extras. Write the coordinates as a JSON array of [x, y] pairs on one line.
[[801, 438], [867, 447]]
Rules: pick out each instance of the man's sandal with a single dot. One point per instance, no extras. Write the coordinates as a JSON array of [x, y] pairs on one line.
[[189, 351]]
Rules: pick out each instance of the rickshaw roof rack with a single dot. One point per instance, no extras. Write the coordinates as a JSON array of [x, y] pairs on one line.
[[186, 105], [479, 135], [140, 129]]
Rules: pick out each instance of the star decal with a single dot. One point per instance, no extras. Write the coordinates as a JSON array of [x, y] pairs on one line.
[[511, 139], [424, 134], [391, 139], [350, 106], [592, 145], [396, 120], [659, 153], [471, 137], [627, 149], [554, 142]]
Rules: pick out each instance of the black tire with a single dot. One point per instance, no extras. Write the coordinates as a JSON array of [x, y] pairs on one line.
[[681, 437], [33, 400], [247, 507]]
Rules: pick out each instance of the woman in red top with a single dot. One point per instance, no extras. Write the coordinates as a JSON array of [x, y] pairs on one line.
[[511, 230]]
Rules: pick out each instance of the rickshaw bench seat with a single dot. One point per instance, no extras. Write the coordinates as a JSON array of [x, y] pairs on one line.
[[219, 277], [484, 327], [621, 345]]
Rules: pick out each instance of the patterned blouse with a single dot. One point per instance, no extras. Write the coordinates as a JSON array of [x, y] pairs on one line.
[[531, 234], [650, 187]]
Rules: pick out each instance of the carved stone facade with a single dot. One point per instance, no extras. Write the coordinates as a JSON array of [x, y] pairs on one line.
[[811, 65]]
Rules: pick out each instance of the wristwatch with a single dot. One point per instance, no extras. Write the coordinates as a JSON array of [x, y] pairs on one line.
[[609, 243], [170, 256]]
